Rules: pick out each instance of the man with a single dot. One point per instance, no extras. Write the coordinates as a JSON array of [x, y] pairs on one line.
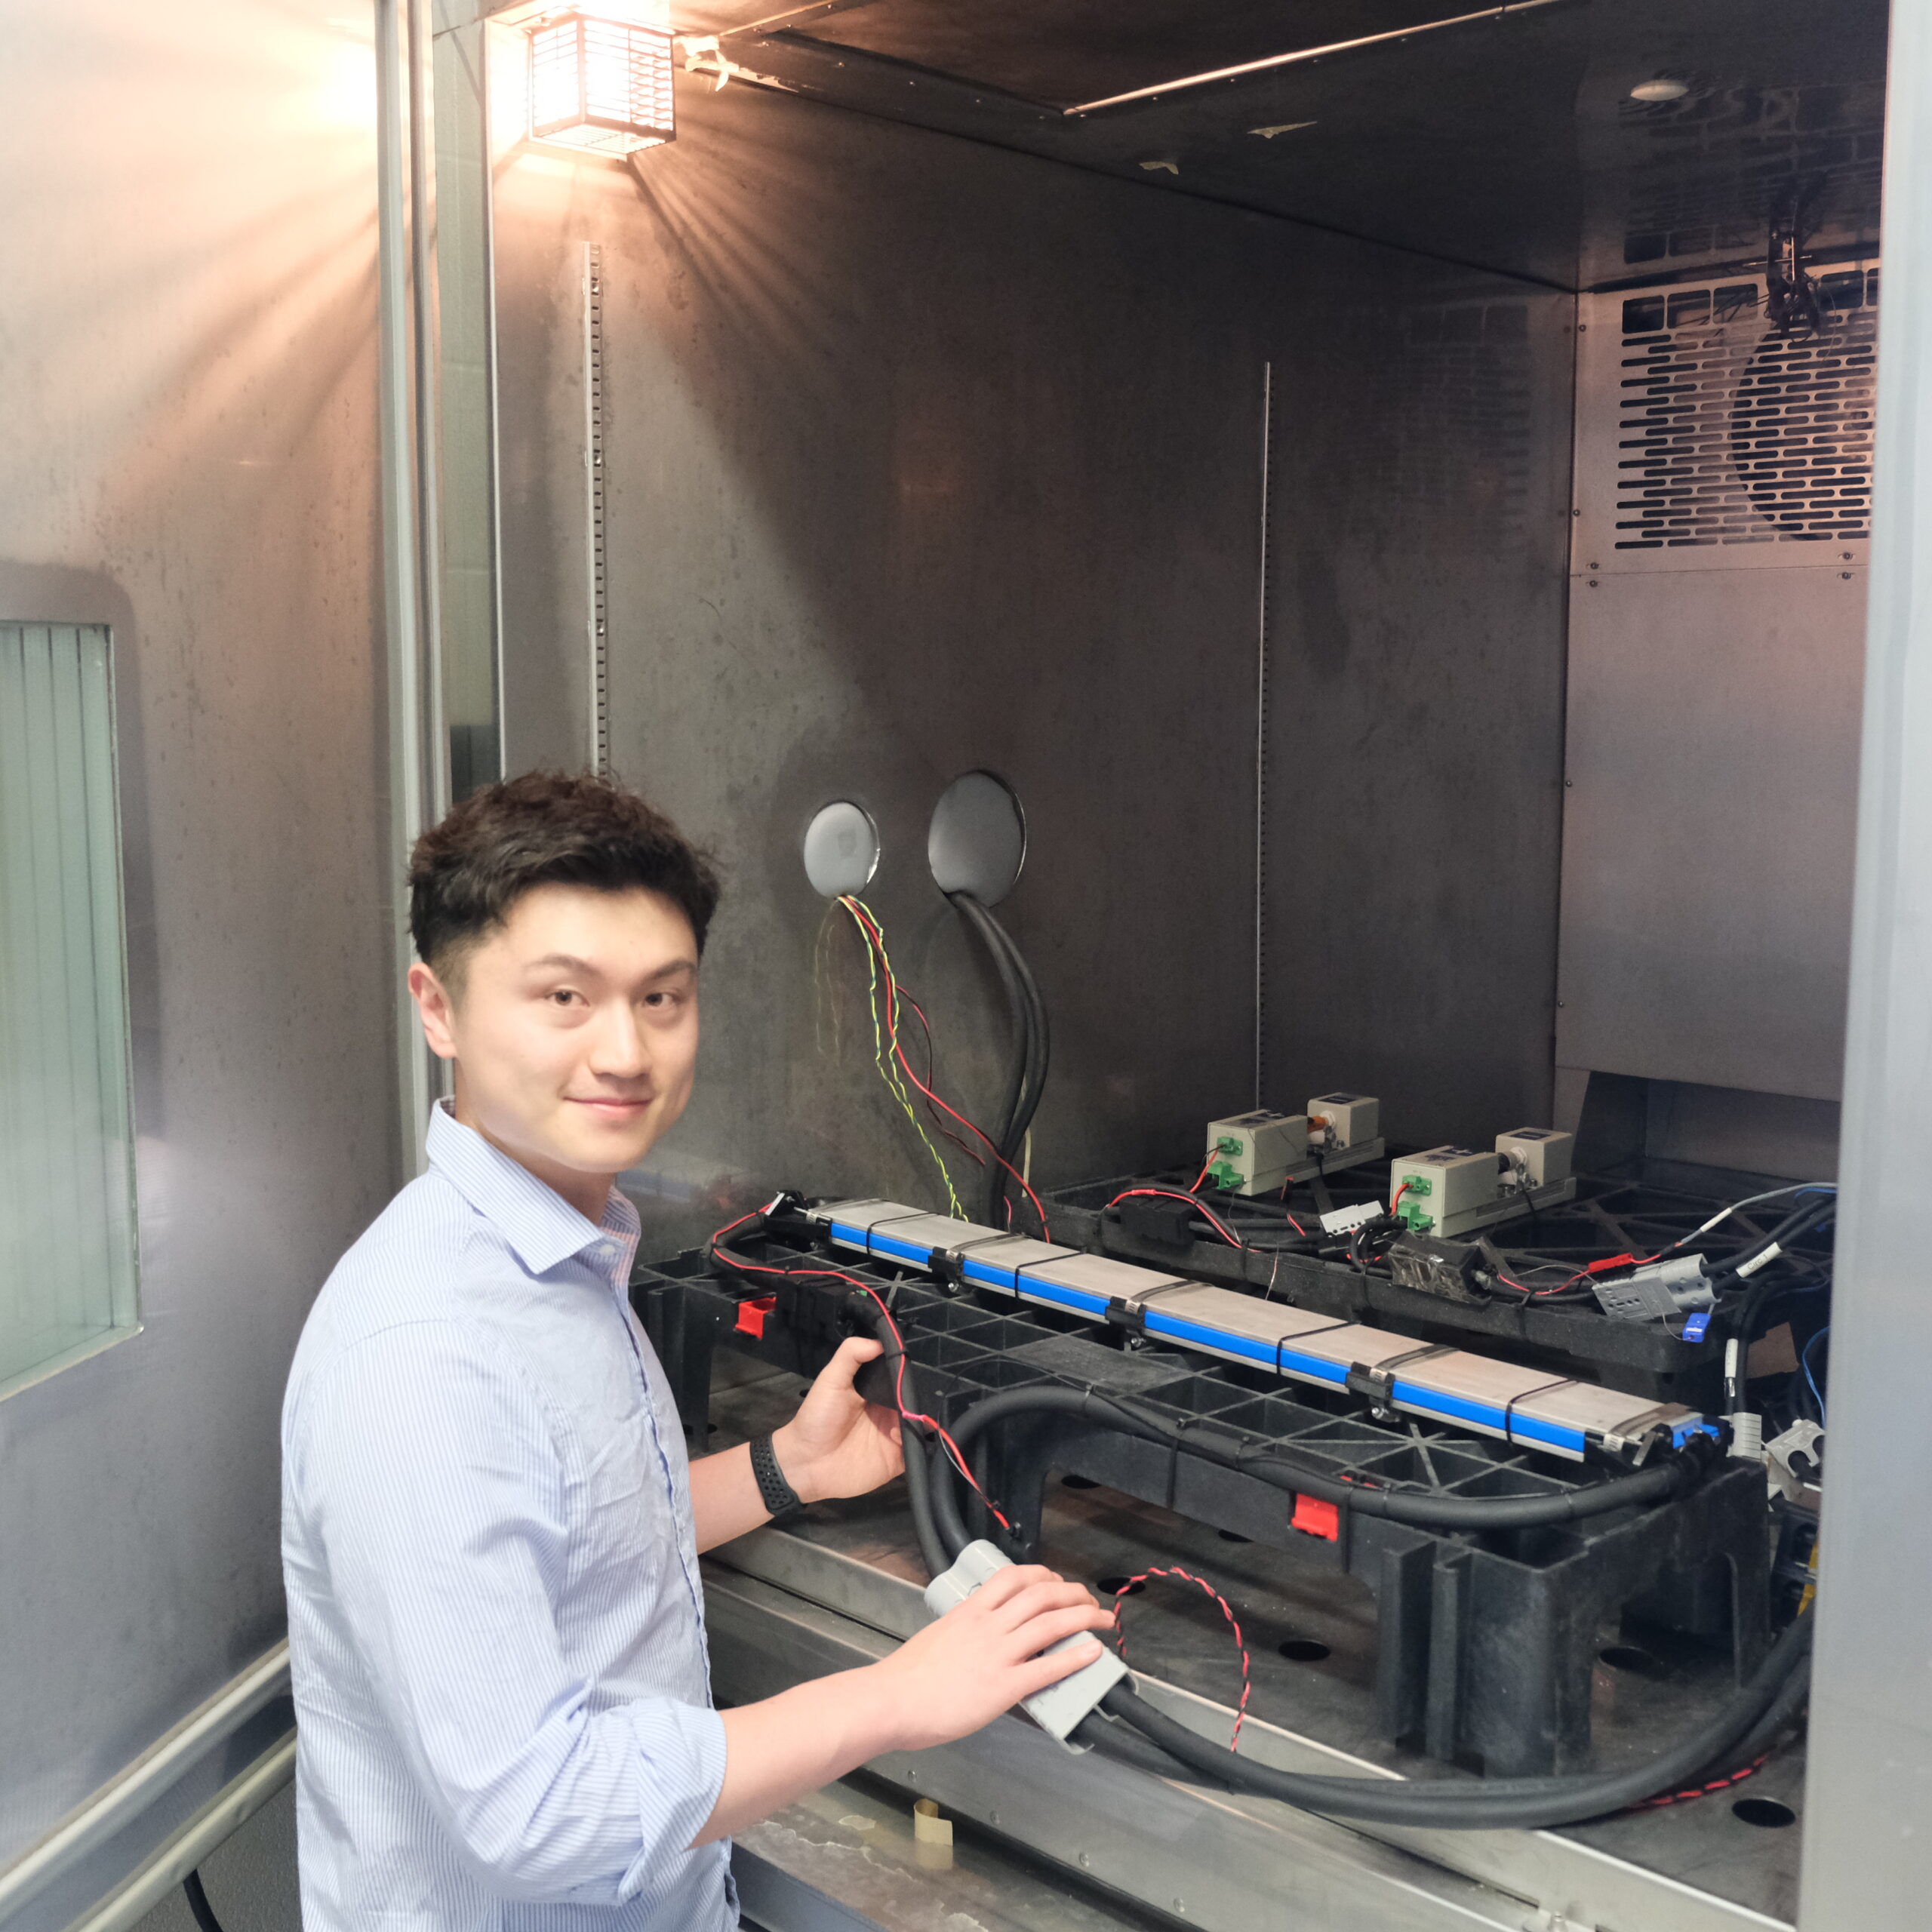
[[489, 1531]]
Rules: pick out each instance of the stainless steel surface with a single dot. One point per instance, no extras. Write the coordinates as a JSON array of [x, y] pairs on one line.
[[1422, 477], [121, 1804], [425, 393], [187, 443], [1095, 1275], [596, 520], [1217, 76], [844, 1856], [1261, 723], [468, 524], [412, 672], [219, 1820], [1707, 438], [883, 401], [927, 507], [976, 840], [1712, 756], [1242, 1315], [841, 849], [839, 1592], [1205, 1860], [1512, 142], [1868, 1855]]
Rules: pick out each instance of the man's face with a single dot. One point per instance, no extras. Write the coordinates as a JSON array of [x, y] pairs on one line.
[[574, 1033]]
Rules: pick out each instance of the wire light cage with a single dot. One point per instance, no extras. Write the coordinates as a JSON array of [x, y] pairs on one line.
[[600, 85]]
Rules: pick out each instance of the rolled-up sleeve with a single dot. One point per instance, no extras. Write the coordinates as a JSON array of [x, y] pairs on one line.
[[435, 1478]]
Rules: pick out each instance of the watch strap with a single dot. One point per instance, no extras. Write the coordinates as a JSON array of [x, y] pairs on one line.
[[781, 1498]]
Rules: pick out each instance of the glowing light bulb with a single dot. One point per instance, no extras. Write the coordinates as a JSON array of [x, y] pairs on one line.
[[1659, 90], [600, 84]]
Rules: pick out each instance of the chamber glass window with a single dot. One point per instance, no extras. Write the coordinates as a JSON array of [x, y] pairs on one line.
[[67, 1277]]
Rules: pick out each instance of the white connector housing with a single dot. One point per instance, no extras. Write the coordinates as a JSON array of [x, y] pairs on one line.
[[1541, 1152], [1350, 1118], [1252, 1153], [1429, 1191], [1060, 1707]]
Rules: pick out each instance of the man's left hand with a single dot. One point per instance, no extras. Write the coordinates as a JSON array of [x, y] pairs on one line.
[[838, 1444]]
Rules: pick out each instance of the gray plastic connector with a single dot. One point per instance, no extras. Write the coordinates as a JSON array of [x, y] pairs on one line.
[[1060, 1707], [1676, 1287]]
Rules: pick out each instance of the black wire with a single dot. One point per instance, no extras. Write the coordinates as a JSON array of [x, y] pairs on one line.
[[1672, 1477], [1803, 1220], [198, 1903], [1762, 1708], [1006, 1140], [1496, 1804], [1042, 1033]]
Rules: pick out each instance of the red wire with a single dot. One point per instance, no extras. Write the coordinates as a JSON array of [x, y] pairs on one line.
[[971, 1152], [1206, 1214], [1703, 1790], [905, 1415], [1202, 1175], [1234, 1624], [899, 1400], [878, 940]]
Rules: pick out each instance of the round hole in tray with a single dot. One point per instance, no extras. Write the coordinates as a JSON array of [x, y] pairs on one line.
[[1302, 1650], [1766, 1812], [1119, 1586], [1232, 1536], [1627, 1656], [1079, 1482]]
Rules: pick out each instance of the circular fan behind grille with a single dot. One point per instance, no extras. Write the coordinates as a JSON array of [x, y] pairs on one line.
[[1800, 428]]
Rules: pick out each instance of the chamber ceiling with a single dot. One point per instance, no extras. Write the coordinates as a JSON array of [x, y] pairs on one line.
[[1507, 140]]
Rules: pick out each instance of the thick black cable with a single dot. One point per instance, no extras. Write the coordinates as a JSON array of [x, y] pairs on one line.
[[1799, 1222], [896, 1363], [1284, 1471], [1764, 1704], [1495, 1805], [1042, 1030], [198, 1903], [1005, 1142]]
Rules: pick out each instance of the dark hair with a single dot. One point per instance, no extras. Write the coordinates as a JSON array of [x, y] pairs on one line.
[[545, 828]]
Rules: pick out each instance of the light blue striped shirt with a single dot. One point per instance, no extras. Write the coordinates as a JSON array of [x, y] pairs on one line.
[[495, 1619]]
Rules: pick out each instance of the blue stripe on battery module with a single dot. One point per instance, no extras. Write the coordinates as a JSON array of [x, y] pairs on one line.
[[987, 1276], [1571, 1439], [902, 1251], [1311, 1368], [851, 1237], [1211, 1338], [1478, 1415], [1057, 1296]]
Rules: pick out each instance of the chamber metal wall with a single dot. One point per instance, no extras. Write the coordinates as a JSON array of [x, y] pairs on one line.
[[1416, 623], [188, 458], [921, 456], [1722, 501]]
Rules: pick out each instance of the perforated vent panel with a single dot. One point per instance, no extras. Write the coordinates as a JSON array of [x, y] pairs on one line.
[[1704, 430]]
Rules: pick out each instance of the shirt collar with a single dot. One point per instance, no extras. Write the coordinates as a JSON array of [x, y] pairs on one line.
[[538, 1222]]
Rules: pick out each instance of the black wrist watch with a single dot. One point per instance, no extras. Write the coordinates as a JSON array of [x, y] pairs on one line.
[[781, 1498]]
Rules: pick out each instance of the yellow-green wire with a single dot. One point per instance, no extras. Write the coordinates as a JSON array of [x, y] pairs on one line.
[[887, 1072]]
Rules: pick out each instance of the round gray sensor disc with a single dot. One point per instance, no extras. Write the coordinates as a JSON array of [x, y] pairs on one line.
[[841, 848], [977, 841]]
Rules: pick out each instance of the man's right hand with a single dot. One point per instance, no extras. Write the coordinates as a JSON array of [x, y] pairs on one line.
[[983, 1657]]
